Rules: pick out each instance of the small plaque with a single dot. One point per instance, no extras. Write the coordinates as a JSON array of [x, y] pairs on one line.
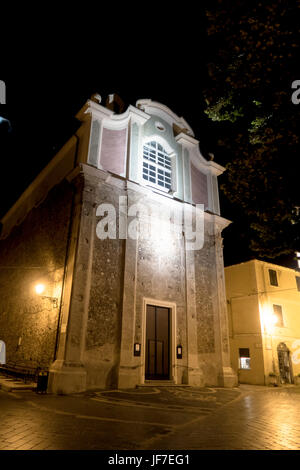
[[137, 349]]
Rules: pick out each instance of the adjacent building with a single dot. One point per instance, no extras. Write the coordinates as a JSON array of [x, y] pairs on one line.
[[263, 302], [83, 292]]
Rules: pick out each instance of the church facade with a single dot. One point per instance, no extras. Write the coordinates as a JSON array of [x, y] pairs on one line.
[[124, 228]]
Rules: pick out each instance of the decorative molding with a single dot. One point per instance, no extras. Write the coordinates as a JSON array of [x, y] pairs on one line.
[[94, 109], [161, 110], [186, 140], [215, 168]]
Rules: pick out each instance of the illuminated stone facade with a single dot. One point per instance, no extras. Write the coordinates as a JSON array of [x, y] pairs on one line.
[[146, 156]]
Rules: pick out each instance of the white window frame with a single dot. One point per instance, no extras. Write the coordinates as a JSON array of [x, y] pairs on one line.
[[170, 153]]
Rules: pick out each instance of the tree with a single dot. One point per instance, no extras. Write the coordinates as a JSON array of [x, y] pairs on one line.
[[252, 67]]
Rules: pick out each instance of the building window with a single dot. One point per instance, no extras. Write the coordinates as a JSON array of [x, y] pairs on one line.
[[273, 277], [157, 166], [277, 309], [244, 358], [298, 282]]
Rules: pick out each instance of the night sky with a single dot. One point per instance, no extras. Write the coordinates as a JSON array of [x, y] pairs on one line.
[[40, 128], [50, 75]]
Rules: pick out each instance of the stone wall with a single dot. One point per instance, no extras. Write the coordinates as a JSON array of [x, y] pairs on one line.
[[126, 272], [103, 330], [207, 316], [34, 252], [113, 280]]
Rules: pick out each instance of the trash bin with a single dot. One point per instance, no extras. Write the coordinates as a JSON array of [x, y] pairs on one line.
[[42, 382]]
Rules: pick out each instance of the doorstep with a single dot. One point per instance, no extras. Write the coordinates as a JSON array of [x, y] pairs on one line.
[[161, 383]]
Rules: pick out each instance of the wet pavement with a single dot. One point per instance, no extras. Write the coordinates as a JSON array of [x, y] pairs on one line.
[[152, 418]]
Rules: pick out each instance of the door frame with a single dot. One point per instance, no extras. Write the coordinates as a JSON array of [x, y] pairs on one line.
[[282, 348], [172, 335]]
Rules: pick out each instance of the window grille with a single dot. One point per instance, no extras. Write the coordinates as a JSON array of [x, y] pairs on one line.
[[157, 166]]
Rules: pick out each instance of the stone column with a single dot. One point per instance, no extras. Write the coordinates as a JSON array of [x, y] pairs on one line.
[[227, 376], [194, 373], [129, 368], [67, 373]]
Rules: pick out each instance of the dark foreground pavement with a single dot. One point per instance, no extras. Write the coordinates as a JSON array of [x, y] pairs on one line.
[[156, 418]]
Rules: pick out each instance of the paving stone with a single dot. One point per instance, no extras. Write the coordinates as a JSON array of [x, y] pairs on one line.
[[257, 418]]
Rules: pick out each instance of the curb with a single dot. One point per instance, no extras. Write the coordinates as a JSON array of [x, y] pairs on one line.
[[15, 387]]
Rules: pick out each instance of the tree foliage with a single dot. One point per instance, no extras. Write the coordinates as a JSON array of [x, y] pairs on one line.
[[253, 64]]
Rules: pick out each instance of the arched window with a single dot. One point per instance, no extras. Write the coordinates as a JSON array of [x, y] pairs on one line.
[[157, 166]]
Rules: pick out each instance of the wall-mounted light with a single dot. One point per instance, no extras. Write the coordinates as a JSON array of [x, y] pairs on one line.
[[270, 319], [40, 288], [137, 349], [179, 351], [273, 320]]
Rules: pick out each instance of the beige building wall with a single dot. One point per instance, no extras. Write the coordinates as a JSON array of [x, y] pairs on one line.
[[250, 300]]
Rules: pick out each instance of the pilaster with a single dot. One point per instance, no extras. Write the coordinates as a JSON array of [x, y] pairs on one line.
[[194, 373], [67, 374], [130, 365], [227, 376]]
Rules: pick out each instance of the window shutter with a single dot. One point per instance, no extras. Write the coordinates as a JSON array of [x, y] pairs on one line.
[[273, 277]]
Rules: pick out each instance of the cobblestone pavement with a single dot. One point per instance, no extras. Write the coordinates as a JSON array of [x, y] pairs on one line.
[[261, 419], [153, 418]]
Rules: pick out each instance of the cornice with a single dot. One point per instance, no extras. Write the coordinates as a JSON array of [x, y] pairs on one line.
[[215, 168], [161, 110], [95, 109], [187, 140], [109, 118]]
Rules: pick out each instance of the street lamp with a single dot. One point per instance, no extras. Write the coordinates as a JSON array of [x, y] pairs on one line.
[[40, 288], [270, 321]]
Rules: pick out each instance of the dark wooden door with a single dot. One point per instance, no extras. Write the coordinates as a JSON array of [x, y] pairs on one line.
[[157, 343]]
